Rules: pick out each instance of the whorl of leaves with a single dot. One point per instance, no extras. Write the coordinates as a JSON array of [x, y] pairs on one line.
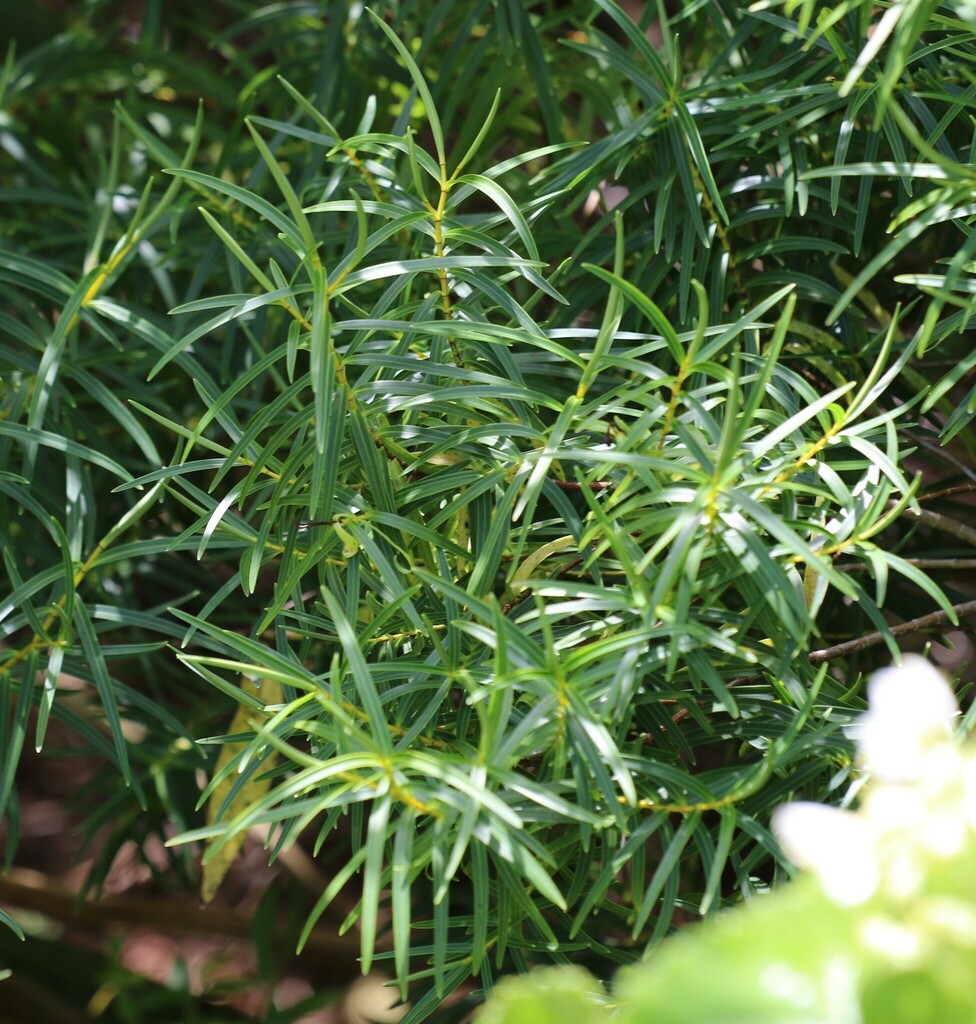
[[526, 399]]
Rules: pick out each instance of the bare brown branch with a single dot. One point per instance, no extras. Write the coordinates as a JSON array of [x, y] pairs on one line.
[[931, 621]]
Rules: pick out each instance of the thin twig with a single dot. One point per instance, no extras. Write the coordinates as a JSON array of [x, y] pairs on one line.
[[841, 650], [943, 455], [921, 563], [947, 492], [575, 485], [930, 621], [940, 522]]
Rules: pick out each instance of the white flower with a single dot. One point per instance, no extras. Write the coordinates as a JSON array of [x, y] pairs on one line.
[[910, 710], [892, 939], [918, 803], [838, 846]]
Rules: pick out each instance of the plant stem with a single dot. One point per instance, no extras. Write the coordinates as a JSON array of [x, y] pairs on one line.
[[923, 622]]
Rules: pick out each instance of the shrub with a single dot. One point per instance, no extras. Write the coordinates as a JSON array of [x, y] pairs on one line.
[[524, 452]]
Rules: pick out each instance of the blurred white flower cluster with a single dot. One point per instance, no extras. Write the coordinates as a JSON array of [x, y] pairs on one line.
[[900, 856], [966, 9]]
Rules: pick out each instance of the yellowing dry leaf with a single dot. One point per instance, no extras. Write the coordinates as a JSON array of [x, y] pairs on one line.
[[214, 870]]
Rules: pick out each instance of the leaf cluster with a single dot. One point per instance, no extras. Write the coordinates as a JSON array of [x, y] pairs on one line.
[[523, 400]]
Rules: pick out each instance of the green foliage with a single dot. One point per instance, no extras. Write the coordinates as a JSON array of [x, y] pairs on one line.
[[349, 378], [883, 935]]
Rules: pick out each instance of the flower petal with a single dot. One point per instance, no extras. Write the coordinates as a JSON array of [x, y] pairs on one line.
[[836, 845], [910, 707]]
